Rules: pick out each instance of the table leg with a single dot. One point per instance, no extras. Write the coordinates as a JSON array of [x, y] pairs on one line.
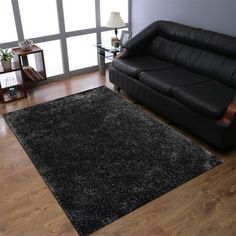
[[101, 62]]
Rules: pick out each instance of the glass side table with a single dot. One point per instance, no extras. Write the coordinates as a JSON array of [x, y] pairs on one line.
[[105, 51]]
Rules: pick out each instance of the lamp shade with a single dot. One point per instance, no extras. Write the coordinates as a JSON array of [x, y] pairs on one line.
[[115, 20]]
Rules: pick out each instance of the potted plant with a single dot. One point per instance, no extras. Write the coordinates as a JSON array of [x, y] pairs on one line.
[[6, 57]]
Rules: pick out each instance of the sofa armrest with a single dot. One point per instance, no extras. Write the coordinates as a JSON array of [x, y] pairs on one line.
[[121, 54], [230, 113], [138, 44]]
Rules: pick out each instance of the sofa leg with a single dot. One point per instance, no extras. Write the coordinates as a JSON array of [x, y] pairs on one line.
[[117, 89]]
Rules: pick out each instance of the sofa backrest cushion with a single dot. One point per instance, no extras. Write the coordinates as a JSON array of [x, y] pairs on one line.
[[201, 51], [199, 38]]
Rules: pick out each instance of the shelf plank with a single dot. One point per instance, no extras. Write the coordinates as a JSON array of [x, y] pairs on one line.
[[14, 67], [19, 51], [20, 94]]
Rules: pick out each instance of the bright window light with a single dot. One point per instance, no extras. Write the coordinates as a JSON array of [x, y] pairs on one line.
[[39, 18], [7, 23], [52, 57], [79, 14], [82, 52]]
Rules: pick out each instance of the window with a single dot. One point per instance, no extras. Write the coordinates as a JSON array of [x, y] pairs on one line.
[[70, 47], [8, 28], [79, 14], [53, 57], [81, 51], [39, 18]]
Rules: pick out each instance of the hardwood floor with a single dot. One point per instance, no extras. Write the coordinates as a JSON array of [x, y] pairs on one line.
[[205, 205]]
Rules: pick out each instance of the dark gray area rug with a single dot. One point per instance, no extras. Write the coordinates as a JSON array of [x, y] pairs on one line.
[[102, 157]]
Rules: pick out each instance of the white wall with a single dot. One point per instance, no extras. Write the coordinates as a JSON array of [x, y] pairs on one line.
[[216, 15]]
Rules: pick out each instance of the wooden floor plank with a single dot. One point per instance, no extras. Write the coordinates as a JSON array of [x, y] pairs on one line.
[[205, 205]]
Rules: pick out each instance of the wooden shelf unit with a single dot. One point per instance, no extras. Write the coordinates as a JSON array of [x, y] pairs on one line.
[[29, 73], [21, 72]]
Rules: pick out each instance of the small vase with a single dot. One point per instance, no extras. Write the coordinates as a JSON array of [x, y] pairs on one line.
[[6, 64]]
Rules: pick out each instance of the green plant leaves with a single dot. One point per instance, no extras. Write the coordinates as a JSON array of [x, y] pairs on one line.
[[5, 54]]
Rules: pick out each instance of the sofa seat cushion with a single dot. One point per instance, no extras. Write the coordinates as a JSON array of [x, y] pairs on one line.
[[133, 66], [165, 80], [211, 98]]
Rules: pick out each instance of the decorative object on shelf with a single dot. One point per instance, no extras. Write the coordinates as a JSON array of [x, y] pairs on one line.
[[115, 21], [12, 92], [26, 44], [10, 81], [6, 57], [125, 36], [113, 40], [116, 43], [32, 73]]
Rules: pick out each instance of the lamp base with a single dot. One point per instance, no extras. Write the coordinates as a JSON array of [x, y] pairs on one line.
[[114, 41]]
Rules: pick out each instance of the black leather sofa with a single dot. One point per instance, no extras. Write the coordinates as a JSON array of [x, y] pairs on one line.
[[186, 74]]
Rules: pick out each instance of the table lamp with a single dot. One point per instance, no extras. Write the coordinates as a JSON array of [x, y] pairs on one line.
[[115, 21]]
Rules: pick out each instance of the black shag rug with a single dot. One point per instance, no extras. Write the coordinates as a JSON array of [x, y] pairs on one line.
[[102, 157]]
